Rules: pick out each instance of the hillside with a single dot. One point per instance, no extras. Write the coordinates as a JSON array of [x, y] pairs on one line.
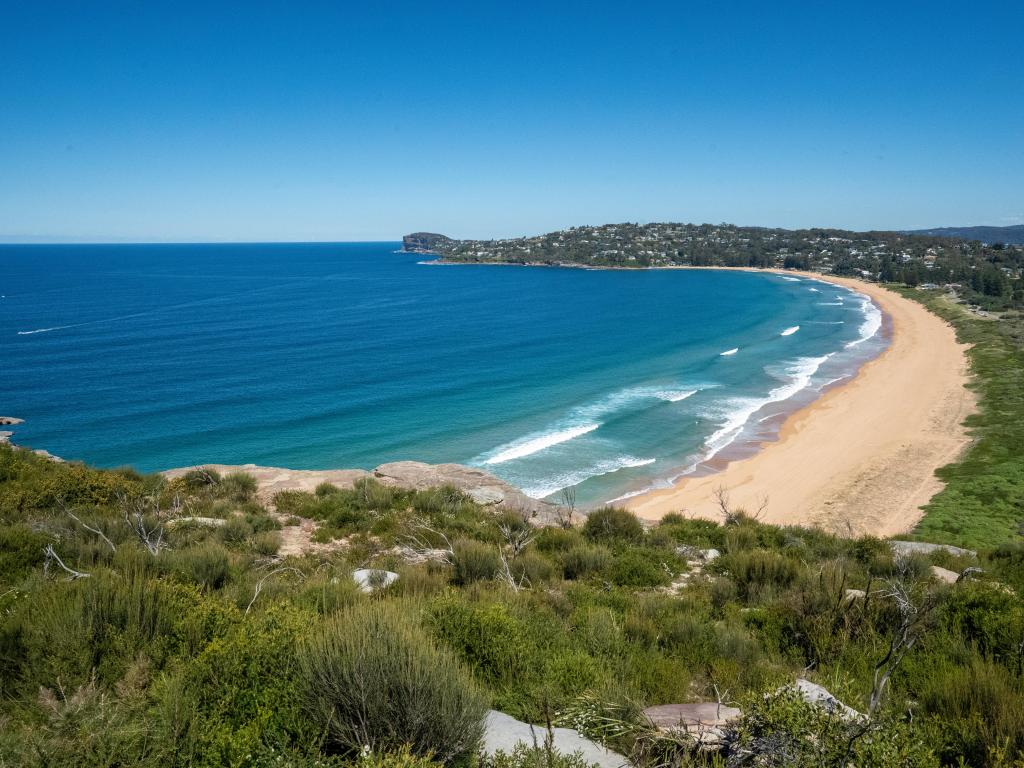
[[988, 275], [1012, 235]]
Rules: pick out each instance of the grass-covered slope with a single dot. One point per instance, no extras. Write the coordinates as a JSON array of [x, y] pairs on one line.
[[982, 504], [164, 637]]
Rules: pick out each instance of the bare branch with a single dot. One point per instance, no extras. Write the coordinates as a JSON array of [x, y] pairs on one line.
[[261, 582], [89, 528], [53, 557]]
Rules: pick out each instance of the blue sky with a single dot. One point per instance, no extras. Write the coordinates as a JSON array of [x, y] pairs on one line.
[[360, 121]]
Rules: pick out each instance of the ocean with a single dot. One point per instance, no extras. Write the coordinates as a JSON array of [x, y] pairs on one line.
[[347, 355]]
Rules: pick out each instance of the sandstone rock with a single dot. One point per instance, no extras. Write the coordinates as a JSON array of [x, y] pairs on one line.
[[487, 495], [503, 732], [5, 436], [710, 554], [818, 695], [10, 421], [370, 579], [705, 721], [213, 522], [854, 594], [921, 547], [944, 574]]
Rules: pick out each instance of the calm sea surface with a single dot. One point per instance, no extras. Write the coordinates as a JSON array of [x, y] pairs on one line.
[[350, 355]]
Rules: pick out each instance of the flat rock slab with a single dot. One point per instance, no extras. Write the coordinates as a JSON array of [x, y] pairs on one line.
[[692, 717], [924, 548], [370, 579], [820, 696], [503, 732], [483, 487], [944, 574], [10, 421]]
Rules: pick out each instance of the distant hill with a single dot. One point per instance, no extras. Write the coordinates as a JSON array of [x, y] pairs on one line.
[[1013, 235]]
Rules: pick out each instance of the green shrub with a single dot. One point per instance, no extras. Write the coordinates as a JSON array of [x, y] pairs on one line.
[[557, 539], [758, 567], [634, 568], [326, 489], [532, 568], [372, 679], [474, 561], [240, 486], [21, 550], [201, 477], [611, 524], [235, 531], [207, 564], [528, 756], [584, 560], [266, 543]]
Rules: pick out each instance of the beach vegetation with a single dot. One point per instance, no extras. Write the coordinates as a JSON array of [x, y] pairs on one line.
[[212, 649]]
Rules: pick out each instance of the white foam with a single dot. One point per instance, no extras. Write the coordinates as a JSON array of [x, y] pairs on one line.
[[557, 483], [814, 290], [790, 331], [791, 279], [830, 303], [674, 395], [43, 330], [872, 323], [728, 352], [742, 408], [528, 446]]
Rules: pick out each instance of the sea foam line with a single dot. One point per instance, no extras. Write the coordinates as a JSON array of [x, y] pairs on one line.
[[872, 323], [606, 467], [581, 421], [790, 331], [728, 352], [539, 443], [743, 408]]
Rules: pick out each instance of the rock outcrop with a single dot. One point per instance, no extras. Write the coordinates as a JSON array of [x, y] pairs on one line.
[[503, 732], [705, 721], [423, 242], [370, 579], [924, 548], [483, 487]]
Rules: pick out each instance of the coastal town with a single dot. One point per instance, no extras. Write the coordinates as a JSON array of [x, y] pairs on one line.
[[991, 270]]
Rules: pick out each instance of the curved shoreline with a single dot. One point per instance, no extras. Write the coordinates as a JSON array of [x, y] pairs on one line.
[[861, 458]]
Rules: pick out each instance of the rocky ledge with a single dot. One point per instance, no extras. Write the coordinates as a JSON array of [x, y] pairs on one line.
[[483, 487]]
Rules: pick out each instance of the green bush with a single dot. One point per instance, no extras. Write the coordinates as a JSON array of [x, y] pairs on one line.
[[201, 478], [239, 486], [207, 564], [758, 567], [532, 568], [21, 550], [584, 560], [474, 561], [235, 531], [611, 524], [266, 543], [372, 679], [634, 568]]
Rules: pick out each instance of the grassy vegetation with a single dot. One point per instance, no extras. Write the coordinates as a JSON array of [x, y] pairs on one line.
[[208, 649], [982, 504]]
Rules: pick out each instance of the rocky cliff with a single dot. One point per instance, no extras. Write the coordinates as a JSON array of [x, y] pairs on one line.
[[423, 242]]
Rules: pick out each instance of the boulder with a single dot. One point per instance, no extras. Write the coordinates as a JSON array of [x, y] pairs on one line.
[[854, 594], [705, 721], [502, 733], [10, 421], [818, 695], [710, 554], [924, 548], [944, 574], [370, 579]]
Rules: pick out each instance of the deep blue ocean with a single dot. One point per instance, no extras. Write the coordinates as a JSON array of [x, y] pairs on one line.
[[350, 355]]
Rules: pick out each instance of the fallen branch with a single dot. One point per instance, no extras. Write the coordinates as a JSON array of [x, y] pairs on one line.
[[259, 584], [53, 557]]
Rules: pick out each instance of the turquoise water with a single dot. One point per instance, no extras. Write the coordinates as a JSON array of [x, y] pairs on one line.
[[350, 355]]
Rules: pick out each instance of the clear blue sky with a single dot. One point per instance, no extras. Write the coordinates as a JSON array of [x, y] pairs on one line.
[[146, 120]]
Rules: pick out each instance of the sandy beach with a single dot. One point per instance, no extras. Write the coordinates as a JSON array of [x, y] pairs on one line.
[[862, 457]]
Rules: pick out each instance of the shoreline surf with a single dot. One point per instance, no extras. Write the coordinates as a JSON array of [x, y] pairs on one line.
[[860, 457]]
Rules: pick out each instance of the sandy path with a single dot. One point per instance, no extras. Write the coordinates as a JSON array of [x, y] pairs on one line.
[[861, 458]]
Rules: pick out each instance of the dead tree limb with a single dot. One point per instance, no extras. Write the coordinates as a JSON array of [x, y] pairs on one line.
[[261, 582], [89, 528], [53, 557]]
